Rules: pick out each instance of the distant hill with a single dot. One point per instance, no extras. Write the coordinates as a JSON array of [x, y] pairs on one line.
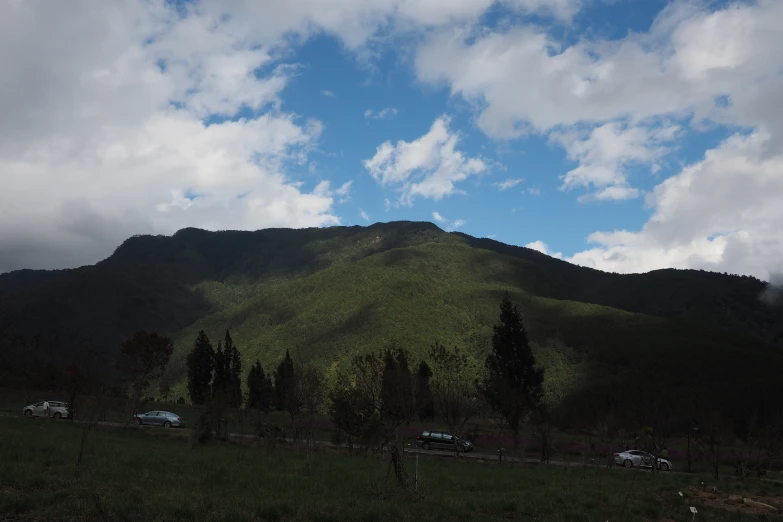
[[328, 294]]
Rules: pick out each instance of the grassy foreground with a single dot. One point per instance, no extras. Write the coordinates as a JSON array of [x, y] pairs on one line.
[[152, 475]]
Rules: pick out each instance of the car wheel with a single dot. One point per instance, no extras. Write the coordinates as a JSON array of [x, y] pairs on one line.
[[426, 446], [28, 413], [664, 466], [57, 416], [628, 463], [140, 423], [167, 424]]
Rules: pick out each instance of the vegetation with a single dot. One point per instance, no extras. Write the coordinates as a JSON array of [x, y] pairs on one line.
[[346, 301], [153, 475], [143, 358], [513, 384]]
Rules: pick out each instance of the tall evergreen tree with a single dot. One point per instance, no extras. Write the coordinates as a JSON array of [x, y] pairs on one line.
[[234, 371], [512, 385], [200, 362], [284, 383], [425, 404], [256, 381], [220, 378]]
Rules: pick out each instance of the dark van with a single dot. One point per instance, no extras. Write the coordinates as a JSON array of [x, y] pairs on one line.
[[442, 440]]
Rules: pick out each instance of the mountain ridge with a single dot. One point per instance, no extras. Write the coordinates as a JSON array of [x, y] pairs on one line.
[[328, 294]]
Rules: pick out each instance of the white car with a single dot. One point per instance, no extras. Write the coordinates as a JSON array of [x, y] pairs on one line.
[[641, 459], [57, 410]]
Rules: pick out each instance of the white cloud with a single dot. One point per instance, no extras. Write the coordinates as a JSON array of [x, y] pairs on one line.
[[695, 66], [448, 224], [676, 68], [383, 114], [509, 183], [106, 105], [722, 213], [343, 192], [103, 131], [604, 153], [542, 247], [387, 204], [428, 167], [533, 191], [364, 215], [328, 94]]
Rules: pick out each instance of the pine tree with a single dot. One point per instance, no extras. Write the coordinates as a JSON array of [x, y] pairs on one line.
[[234, 372], [267, 394], [284, 383], [513, 384], [220, 378], [200, 362], [425, 405], [255, 386]]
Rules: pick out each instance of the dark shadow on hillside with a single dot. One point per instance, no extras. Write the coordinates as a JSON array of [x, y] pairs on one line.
[[147, 282], [635, 358], [723, 301], [351, 324], [401, 257]]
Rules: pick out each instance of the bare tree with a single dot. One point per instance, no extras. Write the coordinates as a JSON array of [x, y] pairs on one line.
[[90, 423], [452, 387]]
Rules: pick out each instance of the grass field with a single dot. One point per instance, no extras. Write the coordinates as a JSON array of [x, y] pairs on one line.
[[151, 475]]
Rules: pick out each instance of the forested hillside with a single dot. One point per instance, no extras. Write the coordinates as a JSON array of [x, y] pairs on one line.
[[329, 294]]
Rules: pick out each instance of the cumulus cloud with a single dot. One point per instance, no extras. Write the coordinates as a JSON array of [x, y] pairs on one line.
[[130, 112], [509, 183], [383, 114], [364, 215], [605, 151], [428, 167], [542, 247], [722, 213], [119, 119], [448, 224], [612, 104]]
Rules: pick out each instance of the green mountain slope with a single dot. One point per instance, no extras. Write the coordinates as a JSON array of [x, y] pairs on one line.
[[329, 294]]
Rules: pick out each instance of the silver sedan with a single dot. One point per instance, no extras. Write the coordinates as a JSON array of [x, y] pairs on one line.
[[641, 459], [160, 418]]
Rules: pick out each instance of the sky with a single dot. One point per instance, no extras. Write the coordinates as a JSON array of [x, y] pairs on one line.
[[623, 135]]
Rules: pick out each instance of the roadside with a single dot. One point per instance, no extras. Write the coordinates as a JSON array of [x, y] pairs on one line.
[[410, 448]]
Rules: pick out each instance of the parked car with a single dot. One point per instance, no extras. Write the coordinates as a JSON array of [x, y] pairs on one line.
[[442, 440], [57, 410], [642, 459], [160, 418]]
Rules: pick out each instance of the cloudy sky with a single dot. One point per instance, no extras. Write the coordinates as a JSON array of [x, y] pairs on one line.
[[626, 135]]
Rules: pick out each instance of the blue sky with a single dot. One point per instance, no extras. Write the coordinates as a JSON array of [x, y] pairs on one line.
[[334, 86], [628, 135]]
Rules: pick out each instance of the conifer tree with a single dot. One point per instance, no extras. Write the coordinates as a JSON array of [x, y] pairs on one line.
[[512, 385], [200, 363]]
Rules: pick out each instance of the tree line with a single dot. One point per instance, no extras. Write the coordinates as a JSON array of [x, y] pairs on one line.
[[380, 391]]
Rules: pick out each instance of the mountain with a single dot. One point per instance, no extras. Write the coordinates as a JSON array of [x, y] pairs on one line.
[[328, 294]]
